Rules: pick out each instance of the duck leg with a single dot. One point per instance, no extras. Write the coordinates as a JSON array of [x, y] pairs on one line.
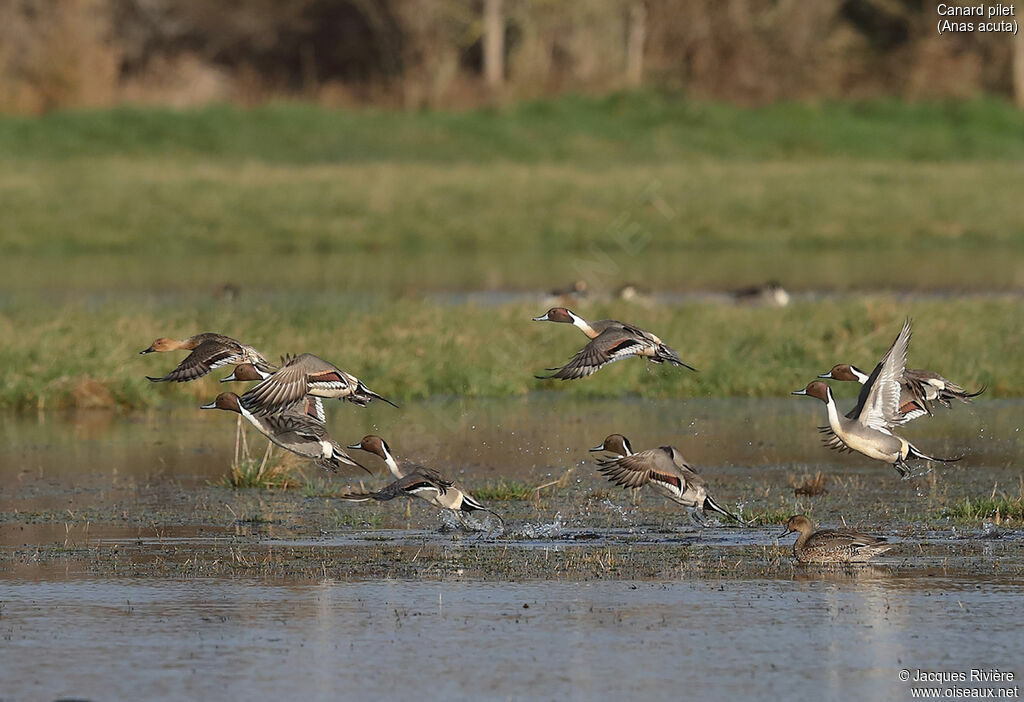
[[266, 456], [696, 517]]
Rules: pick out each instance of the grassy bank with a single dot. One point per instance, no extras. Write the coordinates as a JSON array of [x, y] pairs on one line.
[[638, 187], [644, 127], [164, 225], [87, 354]]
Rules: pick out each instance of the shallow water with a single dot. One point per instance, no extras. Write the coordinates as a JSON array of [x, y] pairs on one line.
[[819, 636], [126, 568]]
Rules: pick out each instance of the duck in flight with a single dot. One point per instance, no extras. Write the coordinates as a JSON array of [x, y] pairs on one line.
[[415, 480], [920, 389], [209, 351], [303, 375], [610, 341], [664, 469], [869, 429], [295, 431]]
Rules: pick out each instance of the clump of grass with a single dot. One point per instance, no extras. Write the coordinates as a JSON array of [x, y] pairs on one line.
[[998, 509], [504, 490], [812, 485], [263, 474]]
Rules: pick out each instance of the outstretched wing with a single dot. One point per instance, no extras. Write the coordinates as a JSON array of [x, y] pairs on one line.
[[412, 484], [203, 359], [595, 355], [881, 409], [640, 468]]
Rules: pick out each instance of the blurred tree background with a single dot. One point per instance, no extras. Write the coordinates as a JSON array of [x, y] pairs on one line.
[[464, 53]]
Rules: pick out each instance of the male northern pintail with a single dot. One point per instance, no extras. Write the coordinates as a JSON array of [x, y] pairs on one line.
[[417, 481], [309, 405], [298, 433], [303, 375], [870, 431], [832, 545], [919, 389], [663, 468], [209, 351], [610, 341]]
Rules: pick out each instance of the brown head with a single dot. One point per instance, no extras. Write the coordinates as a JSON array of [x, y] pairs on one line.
[[815, 388], [245, 372], [843, 371], [556, 314], [371, 443], [164, 344], [799, 523], [225, 401], [617, 444]]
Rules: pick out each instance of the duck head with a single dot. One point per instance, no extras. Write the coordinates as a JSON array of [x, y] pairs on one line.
[[557, 314], [615, 443], [844, 371], [164, 344], [371, 443], [815, 388], [225, 401], [799, 523]]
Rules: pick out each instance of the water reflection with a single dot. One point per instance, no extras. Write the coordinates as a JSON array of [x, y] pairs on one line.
[[824, 639]]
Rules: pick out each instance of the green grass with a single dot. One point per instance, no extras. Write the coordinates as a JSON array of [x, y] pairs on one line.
[[648, 127], [252, 472], [87, 354], [980, 509], [338, 227], [645, 187], [503, 490]]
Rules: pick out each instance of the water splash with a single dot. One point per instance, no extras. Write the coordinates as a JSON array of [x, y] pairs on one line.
[[541, 531]]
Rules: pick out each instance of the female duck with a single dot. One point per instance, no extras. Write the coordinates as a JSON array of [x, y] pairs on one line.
[[209, 351], [832, 545]]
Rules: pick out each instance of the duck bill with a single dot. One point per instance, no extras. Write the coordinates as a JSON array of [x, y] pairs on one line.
[[597, 448], [543, 318], [356, 447], [798, 392], [784, 533], [827, 376], [229, 379], [212, 405], [149, 350]]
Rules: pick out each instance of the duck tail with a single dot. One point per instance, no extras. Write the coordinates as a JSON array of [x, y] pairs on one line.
[[363, 395], [358, 496], [709, 503], [959, 394], [338, 459], [913, 452], [471, 504], [667, 353]]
